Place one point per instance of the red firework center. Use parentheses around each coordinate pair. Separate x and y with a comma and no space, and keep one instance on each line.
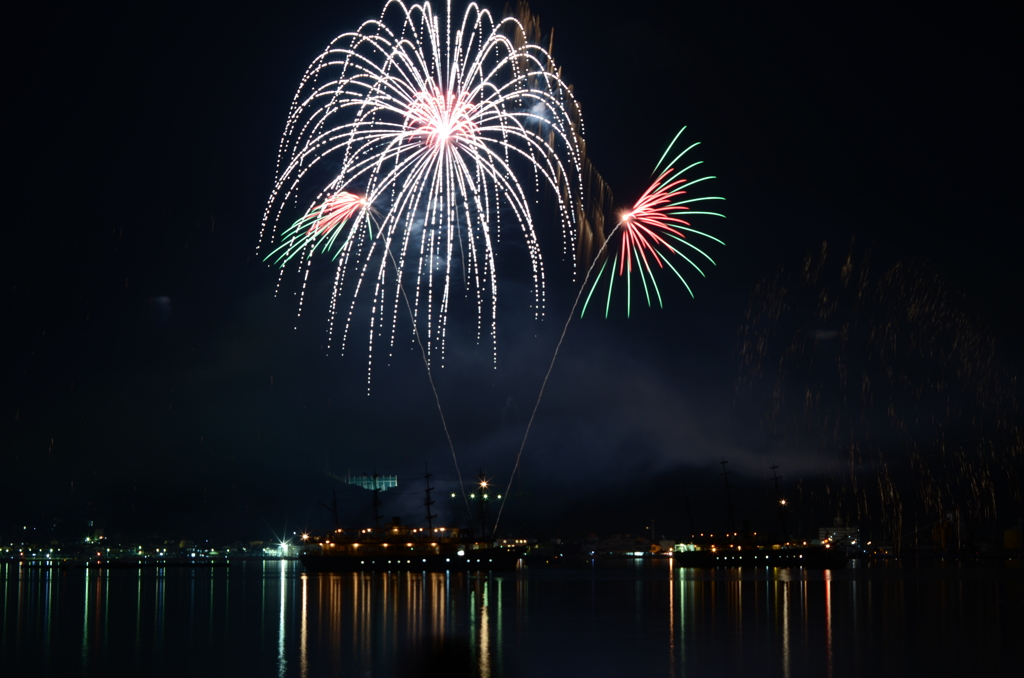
(652,213)
(440,118)
(334,211)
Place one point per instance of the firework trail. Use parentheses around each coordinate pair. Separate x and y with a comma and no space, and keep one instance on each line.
(446,129)
(653,232)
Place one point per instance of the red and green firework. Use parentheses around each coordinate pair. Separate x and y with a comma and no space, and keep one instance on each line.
(320,226)
(653,234)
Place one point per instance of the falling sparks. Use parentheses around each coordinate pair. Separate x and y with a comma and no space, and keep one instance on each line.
(877,371)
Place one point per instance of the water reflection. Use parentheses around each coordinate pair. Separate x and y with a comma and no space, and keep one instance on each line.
(785,627)
(304,632)
(828,625)
(484,653)
(272,617)
(282,663)
(85,625)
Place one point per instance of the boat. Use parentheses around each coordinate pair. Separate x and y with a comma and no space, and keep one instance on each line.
(821,557)
(400,548)
(736,549)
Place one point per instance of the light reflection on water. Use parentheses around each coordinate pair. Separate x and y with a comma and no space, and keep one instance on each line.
(271,618)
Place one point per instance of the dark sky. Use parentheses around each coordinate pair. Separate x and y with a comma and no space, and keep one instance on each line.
(154,382)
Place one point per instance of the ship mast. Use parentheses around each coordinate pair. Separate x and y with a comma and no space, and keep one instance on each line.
(482,503)
(689,515)
(428,502)
(333,508)
(728,495)
(376,501)
(782,500)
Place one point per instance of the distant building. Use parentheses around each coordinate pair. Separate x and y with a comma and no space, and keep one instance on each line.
(372,482)
(621,544)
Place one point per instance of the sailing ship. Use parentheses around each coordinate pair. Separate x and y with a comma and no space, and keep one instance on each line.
(399,547)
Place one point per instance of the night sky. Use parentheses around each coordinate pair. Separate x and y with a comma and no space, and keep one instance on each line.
(153,381)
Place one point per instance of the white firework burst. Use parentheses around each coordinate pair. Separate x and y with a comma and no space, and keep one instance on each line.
(433,133)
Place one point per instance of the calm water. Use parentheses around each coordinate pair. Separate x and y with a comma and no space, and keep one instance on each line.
(272,619)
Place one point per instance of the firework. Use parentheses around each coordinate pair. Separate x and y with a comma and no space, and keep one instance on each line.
(322,224)
(445,130)
(653,233)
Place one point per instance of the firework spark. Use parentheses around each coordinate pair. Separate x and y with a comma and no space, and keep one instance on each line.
(653,233)
(445,129)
